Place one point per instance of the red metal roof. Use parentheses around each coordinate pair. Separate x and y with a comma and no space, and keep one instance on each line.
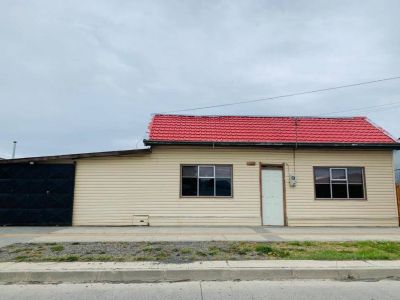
(259,129)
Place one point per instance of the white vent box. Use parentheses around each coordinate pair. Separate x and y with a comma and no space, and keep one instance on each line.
(141,220)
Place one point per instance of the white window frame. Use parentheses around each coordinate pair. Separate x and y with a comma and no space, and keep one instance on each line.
(339,181)
(199,177)
(345,181)
(212,177)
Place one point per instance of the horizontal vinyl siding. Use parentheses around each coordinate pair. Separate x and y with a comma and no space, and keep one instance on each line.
(378,210)
(110,190)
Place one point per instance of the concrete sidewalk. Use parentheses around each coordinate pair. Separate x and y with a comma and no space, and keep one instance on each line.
(9,235)
(84,272)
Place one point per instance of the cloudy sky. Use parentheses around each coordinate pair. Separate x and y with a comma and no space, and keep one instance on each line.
(82,76)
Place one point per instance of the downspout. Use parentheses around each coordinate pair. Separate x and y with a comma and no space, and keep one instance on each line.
(292,176)
(295,147)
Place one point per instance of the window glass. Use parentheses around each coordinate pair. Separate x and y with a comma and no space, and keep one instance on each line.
(206,171)
(322,175)
(223,187)
(339,190)
(323,190)
(333,183)
(206,186)
(338,174)
(356,191)
(223,171)
(189,186)
(189,171)
(206,180)
(355,175)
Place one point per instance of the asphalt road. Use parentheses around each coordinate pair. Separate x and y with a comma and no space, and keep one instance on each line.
(208,290)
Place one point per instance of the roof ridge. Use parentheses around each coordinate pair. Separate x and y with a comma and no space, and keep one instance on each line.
(260,116)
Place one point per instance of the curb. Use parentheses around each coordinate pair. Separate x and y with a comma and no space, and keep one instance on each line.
(207,271)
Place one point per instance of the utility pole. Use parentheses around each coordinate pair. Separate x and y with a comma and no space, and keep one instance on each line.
(14,149)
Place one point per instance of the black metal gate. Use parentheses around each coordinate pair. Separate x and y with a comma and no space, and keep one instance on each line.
(36,194)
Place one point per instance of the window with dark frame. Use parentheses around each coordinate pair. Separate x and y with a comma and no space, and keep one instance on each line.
(206,181)
(339,183)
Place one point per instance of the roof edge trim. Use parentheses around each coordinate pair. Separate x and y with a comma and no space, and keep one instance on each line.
(289,145)
(76,156)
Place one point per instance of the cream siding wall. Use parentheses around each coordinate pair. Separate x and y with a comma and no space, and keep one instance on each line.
(110,190)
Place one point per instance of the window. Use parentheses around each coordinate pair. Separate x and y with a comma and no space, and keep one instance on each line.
(339,183)
(206,180)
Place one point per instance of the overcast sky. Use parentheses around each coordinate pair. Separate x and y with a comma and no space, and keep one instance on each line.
(82,76)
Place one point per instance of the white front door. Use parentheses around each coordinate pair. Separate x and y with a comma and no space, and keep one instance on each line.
(272,196)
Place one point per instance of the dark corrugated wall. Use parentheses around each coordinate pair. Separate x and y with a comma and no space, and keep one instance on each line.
(36,194)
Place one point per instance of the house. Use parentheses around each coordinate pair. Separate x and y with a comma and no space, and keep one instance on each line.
(215,170)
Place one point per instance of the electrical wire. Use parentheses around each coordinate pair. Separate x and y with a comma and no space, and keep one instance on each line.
(380,109)
(368,108)
(285,95)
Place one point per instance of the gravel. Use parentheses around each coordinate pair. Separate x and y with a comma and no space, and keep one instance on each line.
(173,252)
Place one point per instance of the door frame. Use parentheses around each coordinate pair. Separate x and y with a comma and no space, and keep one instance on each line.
(282,167)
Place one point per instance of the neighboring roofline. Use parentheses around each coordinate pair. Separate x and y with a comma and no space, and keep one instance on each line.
(75,156)
(279,145)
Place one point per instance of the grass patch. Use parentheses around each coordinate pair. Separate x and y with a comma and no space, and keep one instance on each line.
(263,249)
(21,258)
(100,258)
(66,258)
(57,248)
(186,250)
(213,250)
(241,248)
(197,251)
(148,248)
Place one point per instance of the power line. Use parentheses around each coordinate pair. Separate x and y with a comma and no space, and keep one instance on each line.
(381,109)
(285,95)
(391,104)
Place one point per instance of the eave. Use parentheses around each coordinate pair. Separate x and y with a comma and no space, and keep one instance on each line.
(391,146)
(75,156)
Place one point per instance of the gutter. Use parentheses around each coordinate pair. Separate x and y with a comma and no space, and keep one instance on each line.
(391,146)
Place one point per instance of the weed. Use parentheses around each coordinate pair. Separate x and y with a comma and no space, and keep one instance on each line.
(309,243)
(148,248)
(186,250)
(143,258)
(213,250)
(98,258)
(263,249)
(18,250)
(57,248)
(295,243)
(161,255)
(72,258)
(61,258)
(201,253)
(21,258)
